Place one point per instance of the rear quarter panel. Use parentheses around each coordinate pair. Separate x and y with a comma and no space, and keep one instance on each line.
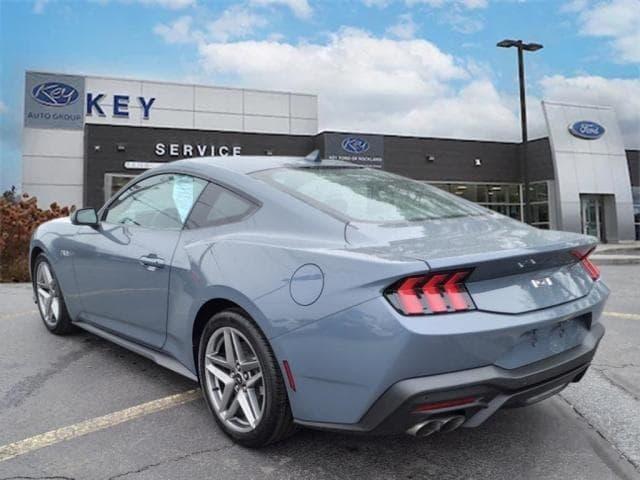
(254,270)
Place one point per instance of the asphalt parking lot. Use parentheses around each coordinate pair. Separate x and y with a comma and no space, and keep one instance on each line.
(114,414)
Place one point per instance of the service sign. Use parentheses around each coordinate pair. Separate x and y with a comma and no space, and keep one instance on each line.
(365,150)
(54,101)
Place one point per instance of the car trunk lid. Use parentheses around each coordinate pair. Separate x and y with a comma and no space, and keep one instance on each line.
(515,268)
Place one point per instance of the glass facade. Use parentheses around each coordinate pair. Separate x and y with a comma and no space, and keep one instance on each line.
(114,182)
(505,198)
(636,210)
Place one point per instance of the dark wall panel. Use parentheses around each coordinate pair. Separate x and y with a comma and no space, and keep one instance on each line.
(633,158)
(454,159)
(102,154)
(540,161)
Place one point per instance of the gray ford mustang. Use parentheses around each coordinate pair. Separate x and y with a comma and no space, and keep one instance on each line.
(324,294)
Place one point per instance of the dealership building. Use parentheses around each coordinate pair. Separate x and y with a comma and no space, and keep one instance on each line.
(86,136)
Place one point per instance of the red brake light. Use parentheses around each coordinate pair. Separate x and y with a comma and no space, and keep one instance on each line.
(409,301)
(439,292)
(431,291)
(588,265)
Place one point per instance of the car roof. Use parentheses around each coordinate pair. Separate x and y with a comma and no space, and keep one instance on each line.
(245,164)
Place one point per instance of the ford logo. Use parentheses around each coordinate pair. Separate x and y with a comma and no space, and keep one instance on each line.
(587,130)
(355,145)
(55,94)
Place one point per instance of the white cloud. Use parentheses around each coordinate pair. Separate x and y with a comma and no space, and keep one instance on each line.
(574,6)
(3,108)
(405,28)
(170,4)
(376,3)
(463,23)
(300,8)
(233,23)
(39,6)
(178,31)
(400,86)
(618,20)
(622,94)
(468,4)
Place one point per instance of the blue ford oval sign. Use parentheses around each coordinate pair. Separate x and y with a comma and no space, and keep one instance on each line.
(55,94)
(587,130)
(355,145)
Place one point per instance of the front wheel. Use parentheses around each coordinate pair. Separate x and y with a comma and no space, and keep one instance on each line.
(53,310)
(241,381)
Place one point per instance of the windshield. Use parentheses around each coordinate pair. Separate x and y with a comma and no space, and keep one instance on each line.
(368,195)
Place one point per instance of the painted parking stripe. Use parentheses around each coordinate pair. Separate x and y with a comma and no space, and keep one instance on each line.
(628,316)
(70,432)
(18,314)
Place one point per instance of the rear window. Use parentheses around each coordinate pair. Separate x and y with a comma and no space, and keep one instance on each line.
(368,195)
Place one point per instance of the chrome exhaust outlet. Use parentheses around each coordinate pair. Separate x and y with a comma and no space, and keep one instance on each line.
(424,429)
(431,426)
(452,423)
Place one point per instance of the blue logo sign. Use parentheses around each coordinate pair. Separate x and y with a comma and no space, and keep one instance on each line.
(586,129)
(355,145)
(55,94)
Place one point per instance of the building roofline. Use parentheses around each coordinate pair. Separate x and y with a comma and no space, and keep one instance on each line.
(569,104)
(162,82)
(468,140)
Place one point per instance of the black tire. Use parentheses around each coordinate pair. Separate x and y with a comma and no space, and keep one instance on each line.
(62,324)
(276,422)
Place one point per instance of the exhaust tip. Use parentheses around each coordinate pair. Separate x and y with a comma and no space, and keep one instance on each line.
(452,423)
(424,429)
(431,426)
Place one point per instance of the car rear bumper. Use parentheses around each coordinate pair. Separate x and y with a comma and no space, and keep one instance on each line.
(489,388)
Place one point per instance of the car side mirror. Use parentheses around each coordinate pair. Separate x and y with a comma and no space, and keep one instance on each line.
(85,216)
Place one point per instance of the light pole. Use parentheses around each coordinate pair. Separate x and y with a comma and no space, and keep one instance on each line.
(529,47)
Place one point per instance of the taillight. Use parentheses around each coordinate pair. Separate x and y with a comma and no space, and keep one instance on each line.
(438,292)
(592,270)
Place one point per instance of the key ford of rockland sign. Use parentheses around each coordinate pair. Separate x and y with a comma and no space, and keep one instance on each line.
(60,101)
(361,149)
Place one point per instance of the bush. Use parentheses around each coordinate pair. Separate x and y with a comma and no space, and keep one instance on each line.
(19,217)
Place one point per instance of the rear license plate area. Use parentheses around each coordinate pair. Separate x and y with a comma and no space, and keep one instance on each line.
(540,343)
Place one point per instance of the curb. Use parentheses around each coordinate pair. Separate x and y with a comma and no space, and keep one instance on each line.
(616,260)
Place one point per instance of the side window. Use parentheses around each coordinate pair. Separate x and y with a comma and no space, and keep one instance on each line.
(162,201)
(217,206)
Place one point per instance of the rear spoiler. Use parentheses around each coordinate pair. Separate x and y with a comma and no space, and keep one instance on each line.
(510,262)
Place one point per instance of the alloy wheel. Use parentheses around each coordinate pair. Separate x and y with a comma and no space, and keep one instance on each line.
(48,294)
(234,380)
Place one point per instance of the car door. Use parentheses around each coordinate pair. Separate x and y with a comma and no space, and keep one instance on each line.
(123,266)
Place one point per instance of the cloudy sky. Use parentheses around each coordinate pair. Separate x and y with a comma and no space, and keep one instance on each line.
(415,67)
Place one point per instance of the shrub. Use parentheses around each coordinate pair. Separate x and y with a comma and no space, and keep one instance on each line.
(19,217)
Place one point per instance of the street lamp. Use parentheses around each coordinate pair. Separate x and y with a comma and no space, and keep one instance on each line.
(529,47)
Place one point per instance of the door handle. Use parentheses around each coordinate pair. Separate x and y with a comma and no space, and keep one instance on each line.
(152,261)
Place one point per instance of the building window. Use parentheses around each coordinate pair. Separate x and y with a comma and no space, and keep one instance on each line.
(114,182)
(505,198)
(636,209)
(539,202)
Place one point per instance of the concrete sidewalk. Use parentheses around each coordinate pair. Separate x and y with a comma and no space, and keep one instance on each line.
(627,253)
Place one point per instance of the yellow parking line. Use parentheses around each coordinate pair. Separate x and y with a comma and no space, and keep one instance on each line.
(628,316)
(37,442)
(18,314)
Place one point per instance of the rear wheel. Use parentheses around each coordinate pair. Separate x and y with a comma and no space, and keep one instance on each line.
(241,381)
(53,310)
